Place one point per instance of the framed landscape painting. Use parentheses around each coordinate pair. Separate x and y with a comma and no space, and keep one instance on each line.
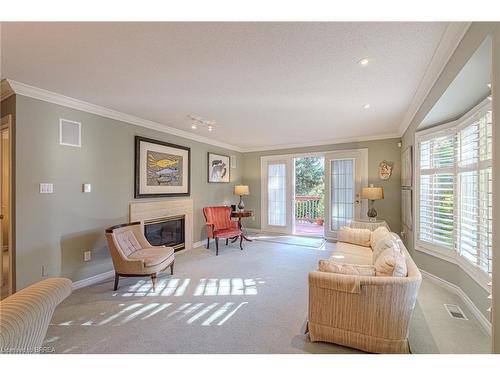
(219,168)
(161,169)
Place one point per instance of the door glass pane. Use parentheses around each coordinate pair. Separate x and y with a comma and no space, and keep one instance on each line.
(276,199)
(342,193)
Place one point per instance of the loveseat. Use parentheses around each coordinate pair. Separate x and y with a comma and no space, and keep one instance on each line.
(370,313)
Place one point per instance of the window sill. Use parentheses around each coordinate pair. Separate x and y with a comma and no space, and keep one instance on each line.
(481,278)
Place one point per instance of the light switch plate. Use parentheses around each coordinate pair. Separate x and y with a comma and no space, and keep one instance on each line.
(87,256)
(46,188)
(45,270)
(86,188)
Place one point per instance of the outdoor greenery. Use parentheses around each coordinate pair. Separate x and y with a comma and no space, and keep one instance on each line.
(310,181)
(309,176)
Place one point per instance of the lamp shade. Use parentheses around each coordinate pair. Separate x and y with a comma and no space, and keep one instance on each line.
(241,190)
(373,193)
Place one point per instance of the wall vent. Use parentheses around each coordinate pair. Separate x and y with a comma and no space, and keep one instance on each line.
(455,311)
(70,133)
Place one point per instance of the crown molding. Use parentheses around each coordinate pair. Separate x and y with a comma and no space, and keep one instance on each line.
(449,42)
(66,101)
(5,90)
(335,141)
(55,98)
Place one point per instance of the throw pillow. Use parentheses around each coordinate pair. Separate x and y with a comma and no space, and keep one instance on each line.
(355,236)
(391,263)
(377,234)
(388,241)
(326,265)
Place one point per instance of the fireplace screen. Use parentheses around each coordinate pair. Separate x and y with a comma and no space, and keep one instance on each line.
(166,231)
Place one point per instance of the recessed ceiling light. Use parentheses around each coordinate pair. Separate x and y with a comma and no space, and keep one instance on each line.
(194,126)
(364,61)
(367,106)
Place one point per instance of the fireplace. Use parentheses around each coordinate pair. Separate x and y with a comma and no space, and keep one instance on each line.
(168,231)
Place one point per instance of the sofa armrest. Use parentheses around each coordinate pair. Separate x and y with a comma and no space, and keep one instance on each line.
(335,281)
(370,305)
(25,315)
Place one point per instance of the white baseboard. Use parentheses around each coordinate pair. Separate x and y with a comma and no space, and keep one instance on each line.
(93,280)
(483,321)
(110,274)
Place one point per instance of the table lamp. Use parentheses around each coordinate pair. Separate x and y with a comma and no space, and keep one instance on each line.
(372,194)
(241,190)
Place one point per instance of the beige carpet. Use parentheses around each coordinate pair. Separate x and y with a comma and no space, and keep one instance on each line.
(250,301)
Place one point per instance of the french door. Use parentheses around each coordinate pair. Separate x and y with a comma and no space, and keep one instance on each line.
(277,194)
(346,172)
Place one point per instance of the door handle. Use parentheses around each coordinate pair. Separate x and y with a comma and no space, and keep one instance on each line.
(1,216)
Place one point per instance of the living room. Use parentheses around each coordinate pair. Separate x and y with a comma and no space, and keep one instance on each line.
(249,187)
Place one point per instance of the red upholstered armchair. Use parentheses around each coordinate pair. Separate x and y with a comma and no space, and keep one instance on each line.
(220,225)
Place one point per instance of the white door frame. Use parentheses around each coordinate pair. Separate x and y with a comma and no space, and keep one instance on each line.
(289,158)
(361,166)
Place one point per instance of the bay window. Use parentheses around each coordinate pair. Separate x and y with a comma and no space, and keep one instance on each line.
(454,190)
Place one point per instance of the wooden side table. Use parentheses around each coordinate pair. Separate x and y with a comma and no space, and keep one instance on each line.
(240,215)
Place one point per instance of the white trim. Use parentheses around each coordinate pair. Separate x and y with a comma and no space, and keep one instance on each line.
(483,321)
(59,99)
(93,280)
(52,97)
(5,90)
(479,277)
(449,42)
(333,141)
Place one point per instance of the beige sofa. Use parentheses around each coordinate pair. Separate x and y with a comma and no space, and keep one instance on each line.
(25,315)
(370,313)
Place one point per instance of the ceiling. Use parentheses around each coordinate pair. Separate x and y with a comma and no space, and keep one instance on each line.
(469,88)
(265,84)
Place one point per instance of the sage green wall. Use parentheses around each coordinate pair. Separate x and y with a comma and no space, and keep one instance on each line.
(438,267)
(386,149)
(55,229)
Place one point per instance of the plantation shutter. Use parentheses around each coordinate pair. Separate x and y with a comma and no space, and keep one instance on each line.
(474,219)
(455,190)
(437,182)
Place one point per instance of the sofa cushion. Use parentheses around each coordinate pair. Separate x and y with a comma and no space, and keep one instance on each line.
(327,265)
(152,256)
(391,263)
(355,236)
(377,234)
(352,254)
(389,240)
(127,242)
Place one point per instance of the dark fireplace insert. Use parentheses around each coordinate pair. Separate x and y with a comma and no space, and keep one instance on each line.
(167,231)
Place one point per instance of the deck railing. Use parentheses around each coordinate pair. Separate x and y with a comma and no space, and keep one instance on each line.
(307,208)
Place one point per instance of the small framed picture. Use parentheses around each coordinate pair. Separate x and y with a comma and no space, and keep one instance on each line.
(161,169)
(219,168)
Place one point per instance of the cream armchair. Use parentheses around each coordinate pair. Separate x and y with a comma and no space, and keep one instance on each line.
(25,315)
(133,255)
